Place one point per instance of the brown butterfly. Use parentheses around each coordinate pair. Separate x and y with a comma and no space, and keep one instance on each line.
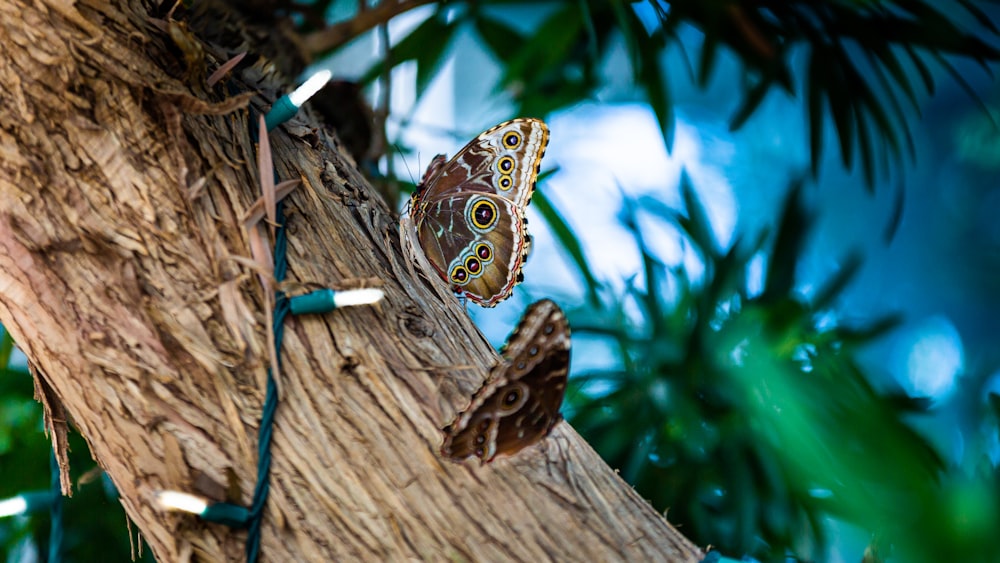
(518,404)
(468,212)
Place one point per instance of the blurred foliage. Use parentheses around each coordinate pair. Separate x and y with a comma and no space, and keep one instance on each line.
(867,60)
(744,413)
(977,140)
(747,417)
(94,523)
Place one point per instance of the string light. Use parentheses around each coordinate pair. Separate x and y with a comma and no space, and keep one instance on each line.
(25,503)
(325,300)
(13,506)
(231,515)
(183,502)
(309,88)
(287,106)
(320,301)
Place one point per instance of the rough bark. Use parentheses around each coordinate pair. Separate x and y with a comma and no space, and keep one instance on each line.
(123,278)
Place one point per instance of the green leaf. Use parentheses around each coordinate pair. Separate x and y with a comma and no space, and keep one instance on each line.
(686,57)
(426,45)
(902,402)
(788,243)
(588,26)
(652,267)
(709,56)
(841,99)
(431,46)
(964,84)
(644,54)
(815,87)
(896,217)
(868,101)
(897,109)
(551,44)
(626,23)
(543,99)
(835,286)
(891,63)
(751,101)
(564,234)
(925,72)
(867,155)
(498,37)
(993,400)
(658,95)
(647,71)
(697,223)
(6,348)
(874,330)
(980,16)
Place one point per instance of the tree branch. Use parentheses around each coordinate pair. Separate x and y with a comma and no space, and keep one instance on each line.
(336,35)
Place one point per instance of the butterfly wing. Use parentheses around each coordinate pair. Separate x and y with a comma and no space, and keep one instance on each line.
(538,362)
(518,404)
(475,429)
(477,244)
(504,160)
(469,211)
(472,440)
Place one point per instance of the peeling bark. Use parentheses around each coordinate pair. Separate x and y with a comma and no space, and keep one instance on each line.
(124,278)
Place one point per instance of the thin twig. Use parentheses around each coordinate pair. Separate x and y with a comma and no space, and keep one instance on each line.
(336,35)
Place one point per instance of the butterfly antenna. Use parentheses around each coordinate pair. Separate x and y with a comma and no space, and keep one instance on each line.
(403,156)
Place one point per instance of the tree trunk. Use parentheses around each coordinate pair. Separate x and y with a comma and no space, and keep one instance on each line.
(124,277)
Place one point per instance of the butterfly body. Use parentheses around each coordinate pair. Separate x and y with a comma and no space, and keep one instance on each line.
(468,212)
(519,403)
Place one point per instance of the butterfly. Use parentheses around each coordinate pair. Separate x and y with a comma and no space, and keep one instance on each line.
(519,402)
(467,214)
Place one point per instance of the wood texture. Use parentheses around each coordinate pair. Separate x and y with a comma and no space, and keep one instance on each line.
(124,278)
